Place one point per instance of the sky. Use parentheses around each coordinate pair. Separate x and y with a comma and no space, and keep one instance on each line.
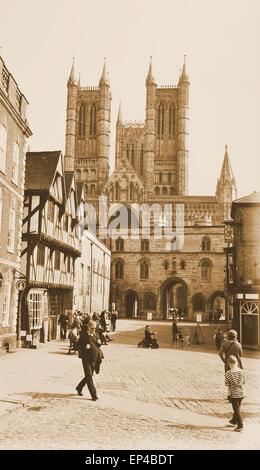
(221,40)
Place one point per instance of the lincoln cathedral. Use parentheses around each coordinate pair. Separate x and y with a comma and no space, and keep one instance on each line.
(151,167)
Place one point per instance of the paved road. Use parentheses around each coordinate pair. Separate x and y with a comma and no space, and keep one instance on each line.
(148,399)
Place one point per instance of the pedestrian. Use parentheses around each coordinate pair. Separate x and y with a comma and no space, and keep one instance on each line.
(63,321)
(234,380)
(186,336)
(231,347)
(114,315)
(91,356)
(218,337)
(174,332)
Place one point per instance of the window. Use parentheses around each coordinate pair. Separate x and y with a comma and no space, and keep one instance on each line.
(11,227)
(144,270)
(57,260)
(142,160)
(40,255)
(6,303)
(164,191)
(183,265)
(149,301)
(157,190)
(93,120)
(82,116)
(120,244)
(160,120)
(93,175)
(51,209)
(206,267)
(169,178)
(15,168)
(119,269)
(172,120)
(117,191)
(160,177)
(166,265)
(92,190)
(78,174)
(68,264)
(144,245)
(174,267)
(205,244)
(3,146)
(35,305)
(172,190)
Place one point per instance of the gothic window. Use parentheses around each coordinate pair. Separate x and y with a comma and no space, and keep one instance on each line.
(144,245)
(166,265)
(132,155)
(92,190)
(117,191)
(142,160)
(183,265)
(172,190)
(157,190)
(131,191)
(93,175)
(82,120)
(78,174)
(160,177)
(172,120)
(144,269)
(174,267)
(160,120)
(120,244)
(119,269)
(169,178)
(205,244)
(164,191)
(206,268)
(85,175)
(93,120)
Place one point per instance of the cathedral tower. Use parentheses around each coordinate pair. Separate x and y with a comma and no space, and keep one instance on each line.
(88,133)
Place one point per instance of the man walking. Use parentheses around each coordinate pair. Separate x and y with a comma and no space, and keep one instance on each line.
(63,321)
(91,355)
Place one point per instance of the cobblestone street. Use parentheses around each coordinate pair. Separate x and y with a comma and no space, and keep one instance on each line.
(148,399)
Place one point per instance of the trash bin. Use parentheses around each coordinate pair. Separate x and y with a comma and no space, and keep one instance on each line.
(149,315)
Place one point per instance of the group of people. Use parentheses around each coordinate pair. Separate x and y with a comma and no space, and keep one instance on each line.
(180,336)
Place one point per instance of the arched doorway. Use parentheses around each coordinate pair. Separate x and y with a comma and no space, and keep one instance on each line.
(218,305)
(174,294)
(198,303)
(131,303)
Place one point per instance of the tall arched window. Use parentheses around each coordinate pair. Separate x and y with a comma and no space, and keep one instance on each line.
(142,160)
(120,244)
(160,177)
(78,174)
(117,192)
(206,268)
(183,265)
(172,120)
(156,190)
(85,175)
(92,190)
(144,269)
(172,190)
(82,120)
(160,120)
(205,244)
(132,155)
(169,177)
(174,267)
(165,191)
(131,191)
(119,269)
(166,265)
(93,120)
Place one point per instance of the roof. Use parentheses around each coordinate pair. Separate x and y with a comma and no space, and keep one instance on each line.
(40,169)
(253,198)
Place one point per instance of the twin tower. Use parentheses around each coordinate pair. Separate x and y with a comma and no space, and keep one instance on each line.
(156,151)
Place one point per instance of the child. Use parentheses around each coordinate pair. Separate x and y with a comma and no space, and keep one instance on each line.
(234,380)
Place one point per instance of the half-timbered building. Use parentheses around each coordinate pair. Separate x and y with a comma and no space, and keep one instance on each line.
(50,244)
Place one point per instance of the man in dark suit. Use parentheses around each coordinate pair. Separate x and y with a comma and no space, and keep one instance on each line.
(91,355)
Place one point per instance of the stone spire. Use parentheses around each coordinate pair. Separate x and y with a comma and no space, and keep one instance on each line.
(149,78)
(226,190)
(184,76)
(72,73)
(104,77)
(119,116)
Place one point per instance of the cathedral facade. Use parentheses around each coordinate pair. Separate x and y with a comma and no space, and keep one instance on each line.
(151,273)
